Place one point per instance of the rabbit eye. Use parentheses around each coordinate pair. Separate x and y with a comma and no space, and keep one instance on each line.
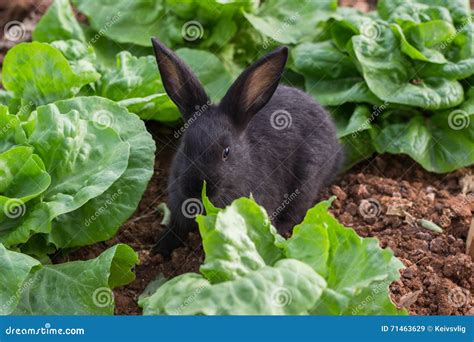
(225,153)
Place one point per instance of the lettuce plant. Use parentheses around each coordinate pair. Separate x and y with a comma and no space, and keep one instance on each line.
(323,269)
(399,78)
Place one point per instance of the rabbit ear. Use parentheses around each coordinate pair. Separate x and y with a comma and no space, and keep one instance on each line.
(254,87)
(180,83)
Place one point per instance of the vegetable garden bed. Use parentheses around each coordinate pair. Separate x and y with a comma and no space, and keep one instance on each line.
(438,273)
(423,217)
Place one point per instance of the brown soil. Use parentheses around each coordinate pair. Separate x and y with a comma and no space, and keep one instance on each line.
(387,197)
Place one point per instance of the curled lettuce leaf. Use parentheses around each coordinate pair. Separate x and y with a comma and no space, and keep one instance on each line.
(281,21)
(290,287)
(72,288)
(40,73)
(250,269)
(102,215)
(58,23)
(441,143)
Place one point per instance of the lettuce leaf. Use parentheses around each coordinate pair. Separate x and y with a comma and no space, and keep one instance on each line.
(40,73)
(72,288)
(58,23)
(326,245)
(250,269)
(101,216)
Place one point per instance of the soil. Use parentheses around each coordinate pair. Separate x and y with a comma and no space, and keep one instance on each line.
(385,197)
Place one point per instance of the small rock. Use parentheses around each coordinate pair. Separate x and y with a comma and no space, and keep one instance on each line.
(467,184)
(451,239)
(352,208)
(424,236)
(408,273)
(409,299)
(431,197)
(395,210)
(444,194)
(410,220)
(438,245)
(339,193)
(360,191)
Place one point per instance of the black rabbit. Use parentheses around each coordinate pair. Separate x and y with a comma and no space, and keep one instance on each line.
(271,141)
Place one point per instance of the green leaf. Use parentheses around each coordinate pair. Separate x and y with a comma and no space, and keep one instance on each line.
(22,178)
(248,268)
(132,77)
(459,9)
(78,287)
(39,73)
(393,78)
(330,75)
(290,22)
(209,69)
(101,216)
(246,239)
(83,158)
(11,132)
(126,22)
(289,288)
(442,143)
(136,83)
(58,23)
(81,58)
(355,131)
(352,266)
(15,270)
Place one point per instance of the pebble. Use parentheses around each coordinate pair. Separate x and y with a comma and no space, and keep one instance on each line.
(339,193)
(438,245)
(424,236)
